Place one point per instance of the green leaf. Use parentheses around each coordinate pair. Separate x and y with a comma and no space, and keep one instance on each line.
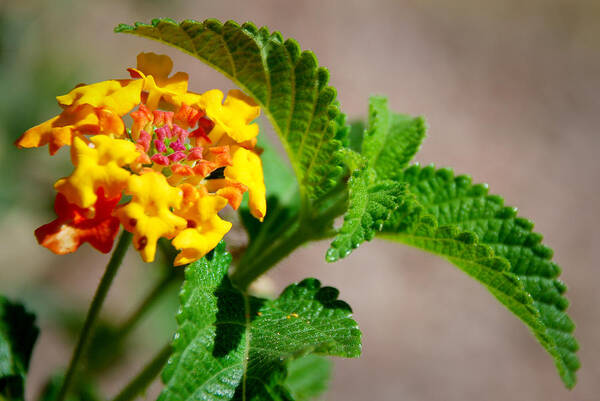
(308,377)
(233,346)
(287,82)
(455,202)
(18,334)
(391,140)
(371,202)
(356,135)
(375,190)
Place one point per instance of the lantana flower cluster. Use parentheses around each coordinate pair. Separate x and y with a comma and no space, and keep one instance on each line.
(183,159)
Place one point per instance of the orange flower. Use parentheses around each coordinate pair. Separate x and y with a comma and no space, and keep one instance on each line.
(185,157)
(76,120)
(74,226)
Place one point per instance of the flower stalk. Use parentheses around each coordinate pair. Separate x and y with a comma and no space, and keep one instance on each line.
(146,376)
(84,336)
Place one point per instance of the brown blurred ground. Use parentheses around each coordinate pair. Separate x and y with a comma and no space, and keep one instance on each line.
(510,92)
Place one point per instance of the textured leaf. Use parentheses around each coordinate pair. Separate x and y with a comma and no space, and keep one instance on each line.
(371,203)
(285,81)
(375,190)
(233,346)
(308,377)
(455,201)
(391,140)
(18,333)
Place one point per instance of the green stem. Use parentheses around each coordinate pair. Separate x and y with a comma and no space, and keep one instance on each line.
(246,273)
(145,377)
(264,231)
(259,259)
(84,336)
(268,236)
(146,304)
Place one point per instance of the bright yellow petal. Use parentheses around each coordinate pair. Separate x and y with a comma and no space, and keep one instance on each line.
(148,215)
(97,164)
(194,243)
(247,170)
(234,116)
(243,106)
(118,95)
(154,70)
(205,227)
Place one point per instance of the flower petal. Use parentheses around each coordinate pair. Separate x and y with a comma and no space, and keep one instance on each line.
(247,169)
(148,215)
(118,95)
(73,227)
(205,227)
(97,165)
(76,120)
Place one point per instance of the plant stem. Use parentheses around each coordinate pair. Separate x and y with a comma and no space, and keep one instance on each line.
(146,304)
(145,377)
(84,336)
(246,273)
(286,238)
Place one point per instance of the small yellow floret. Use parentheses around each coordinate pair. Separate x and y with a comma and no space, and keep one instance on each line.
(154,70)
(97,164)
(148,215)
(234,116)
(119,95)
(205,227)
(247,169)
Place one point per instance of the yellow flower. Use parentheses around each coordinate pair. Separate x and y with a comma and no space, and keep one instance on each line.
(98,164)
(148,215)
(246,169)
(154,70)
(204,226)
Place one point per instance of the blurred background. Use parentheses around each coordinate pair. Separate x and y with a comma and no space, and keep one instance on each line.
(510,91)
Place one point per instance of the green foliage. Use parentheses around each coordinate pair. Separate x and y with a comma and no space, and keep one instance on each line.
(230,345)
(308,377)
(18,334)
(392,139)
(487,240)
(287,82)
(375,192)
(371,203)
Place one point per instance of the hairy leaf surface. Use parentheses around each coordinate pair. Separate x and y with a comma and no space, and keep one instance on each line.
(18,334)
(375,188)
(371,202)
(455,203)
(233,346)
(391,140)
(287,82)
